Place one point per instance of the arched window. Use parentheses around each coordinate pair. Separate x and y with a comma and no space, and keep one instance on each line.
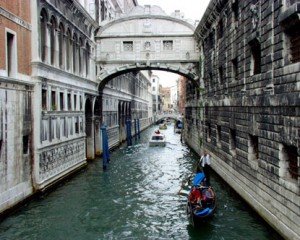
(80,55)
(43,32)
(61,46)
(68,49)
(87,59)
(52,39)
(74,53)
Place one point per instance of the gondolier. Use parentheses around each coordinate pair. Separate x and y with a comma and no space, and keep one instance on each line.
(205,164)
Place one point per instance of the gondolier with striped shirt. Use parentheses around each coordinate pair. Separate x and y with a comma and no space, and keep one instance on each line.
(205,164)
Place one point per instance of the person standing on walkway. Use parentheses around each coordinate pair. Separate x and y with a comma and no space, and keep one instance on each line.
(205,164)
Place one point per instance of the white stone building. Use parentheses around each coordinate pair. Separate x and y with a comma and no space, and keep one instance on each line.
(155,93)
(65,88)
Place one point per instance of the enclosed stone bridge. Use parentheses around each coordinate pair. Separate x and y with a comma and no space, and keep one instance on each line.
(147,38)
(175,116)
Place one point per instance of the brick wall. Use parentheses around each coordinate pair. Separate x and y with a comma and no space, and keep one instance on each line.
(16,10)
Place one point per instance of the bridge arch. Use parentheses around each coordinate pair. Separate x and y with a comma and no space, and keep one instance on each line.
(192,76)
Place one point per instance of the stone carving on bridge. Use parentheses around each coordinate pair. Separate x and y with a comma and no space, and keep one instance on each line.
(147,26)
(147,46)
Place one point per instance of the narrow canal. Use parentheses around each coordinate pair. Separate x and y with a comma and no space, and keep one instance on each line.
(137,198)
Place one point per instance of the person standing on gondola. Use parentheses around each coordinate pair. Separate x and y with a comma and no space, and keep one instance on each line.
(205,164)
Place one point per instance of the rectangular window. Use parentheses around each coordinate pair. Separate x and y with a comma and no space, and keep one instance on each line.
(66,129)
(69,102)
(220,29)
(253,147)
(153,89)
(291,156)
(77,125)
(294,37)
(25,144)
(71,125)
(234,69)
(232,141)
(255,57)
(53,100)
(61,101)
(218,135)
(44,99)
(221,75)
(75,102)
(80,101)
(128,46)
(103,11)
(58,128)
(168,45)
(11,55)
(235,11)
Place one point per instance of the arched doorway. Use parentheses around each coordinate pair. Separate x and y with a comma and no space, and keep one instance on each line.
(90,153)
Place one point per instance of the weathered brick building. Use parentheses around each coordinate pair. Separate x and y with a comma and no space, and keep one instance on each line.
(248,114)
(15,102)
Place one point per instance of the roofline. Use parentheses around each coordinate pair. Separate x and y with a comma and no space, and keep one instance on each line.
(214,9)
(148,16)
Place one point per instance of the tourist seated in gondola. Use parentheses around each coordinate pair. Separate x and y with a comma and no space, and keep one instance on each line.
(195,197)
(207,196)
(157,131)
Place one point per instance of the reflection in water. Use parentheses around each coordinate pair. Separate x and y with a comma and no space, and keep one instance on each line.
(136,198)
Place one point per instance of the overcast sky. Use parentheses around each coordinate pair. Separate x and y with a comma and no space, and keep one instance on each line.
(192,9)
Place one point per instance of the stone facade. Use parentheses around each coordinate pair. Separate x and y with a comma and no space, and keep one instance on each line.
(15,103)
(248,114)
(51,106)
(63,73)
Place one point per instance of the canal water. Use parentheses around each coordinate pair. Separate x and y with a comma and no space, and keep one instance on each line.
(140,196)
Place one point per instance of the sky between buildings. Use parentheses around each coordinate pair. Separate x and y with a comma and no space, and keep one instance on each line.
(192,9)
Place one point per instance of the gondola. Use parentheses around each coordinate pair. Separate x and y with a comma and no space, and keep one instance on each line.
(204,209)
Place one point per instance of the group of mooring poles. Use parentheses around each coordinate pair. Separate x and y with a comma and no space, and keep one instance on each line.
(137,131)
(105,146)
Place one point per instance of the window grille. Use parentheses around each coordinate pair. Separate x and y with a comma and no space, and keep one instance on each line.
(167,45)
(128,46)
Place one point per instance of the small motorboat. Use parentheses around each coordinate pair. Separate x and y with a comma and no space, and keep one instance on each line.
(201,203)
(157,139)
